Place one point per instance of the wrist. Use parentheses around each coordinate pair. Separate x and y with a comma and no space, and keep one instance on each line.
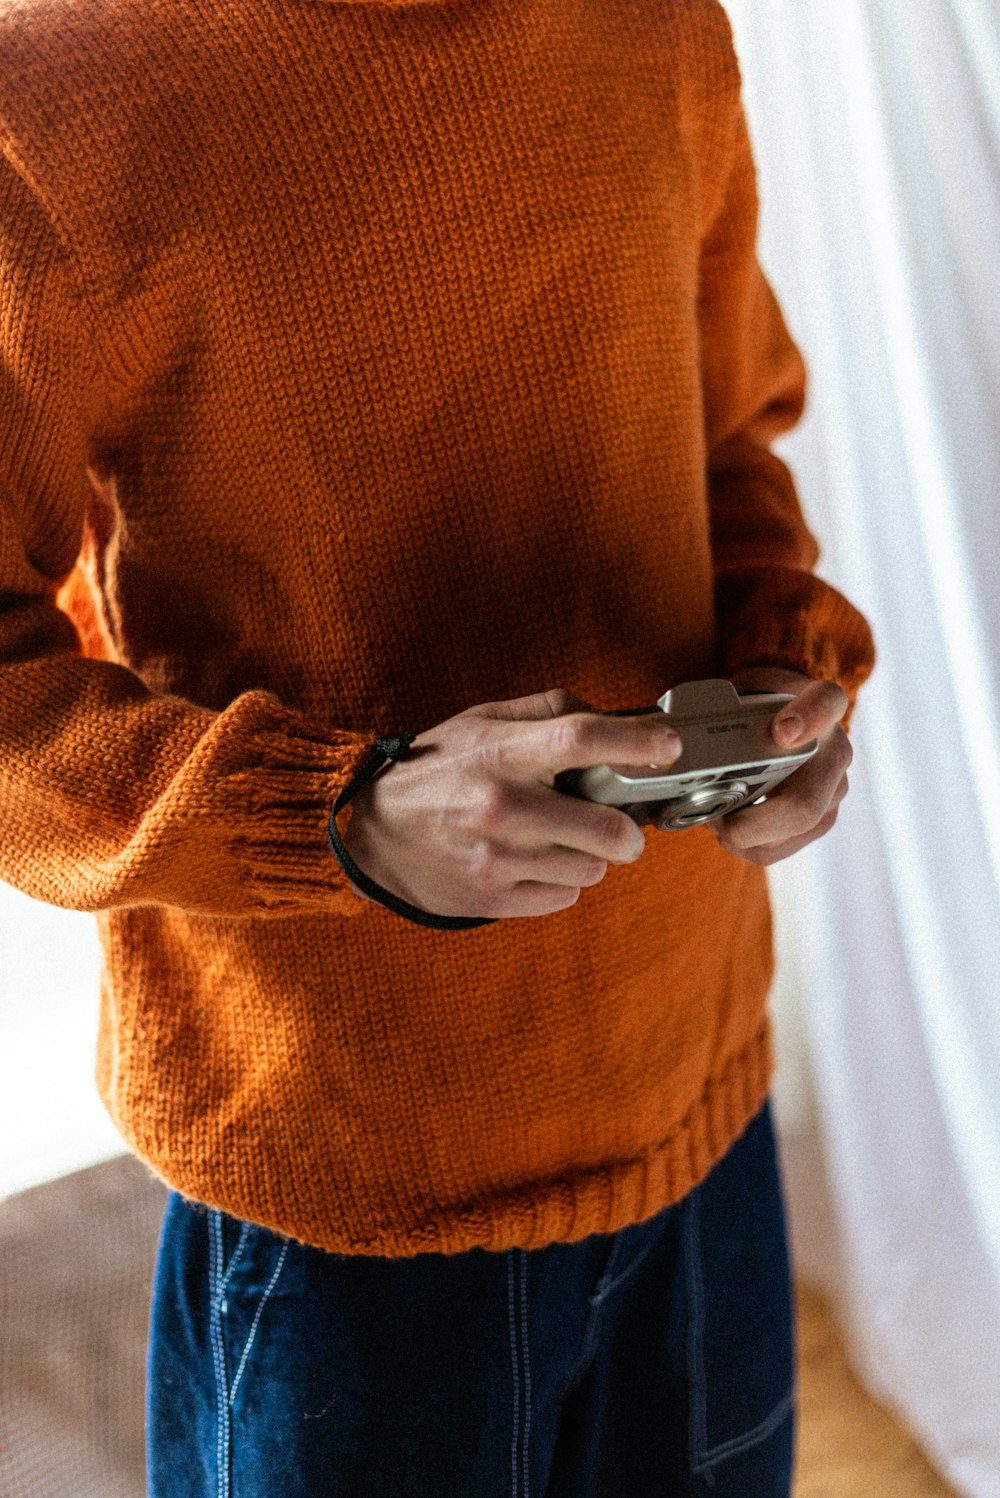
(392,749)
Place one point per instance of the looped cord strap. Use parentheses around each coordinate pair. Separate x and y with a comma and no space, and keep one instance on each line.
(386,749)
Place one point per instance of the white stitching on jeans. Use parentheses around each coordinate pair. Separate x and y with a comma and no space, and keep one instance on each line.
(217,1283)
(697,1425)
(606,1291)
(256,1322)
(527,1365)
(603,1284)
(593,1326)
(218,1356)
(760,1432)
(703,1459)
(516,1372)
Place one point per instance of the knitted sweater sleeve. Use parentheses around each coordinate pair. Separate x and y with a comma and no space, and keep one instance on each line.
(771,608)
(110,794)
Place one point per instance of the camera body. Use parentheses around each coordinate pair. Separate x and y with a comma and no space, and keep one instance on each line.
(729,759)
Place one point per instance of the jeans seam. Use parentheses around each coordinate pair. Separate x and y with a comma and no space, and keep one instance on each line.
(594,1316)
(218,1354)
(519,1365)
(256,1321)
(702,1458)
(218,1279)
(603,1284)
(739,1444)
(698,1422)
(515,1371)
(603,1293)
(527,1366)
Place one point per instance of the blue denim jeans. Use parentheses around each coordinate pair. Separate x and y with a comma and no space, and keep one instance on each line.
(657,1360)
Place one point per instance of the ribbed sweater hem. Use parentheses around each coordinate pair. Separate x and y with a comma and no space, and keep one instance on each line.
(602,1200)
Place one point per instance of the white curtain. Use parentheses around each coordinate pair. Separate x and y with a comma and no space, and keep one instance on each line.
(877,131)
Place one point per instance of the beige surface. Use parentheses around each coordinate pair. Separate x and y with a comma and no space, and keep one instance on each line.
(849,1447)
(76,1257)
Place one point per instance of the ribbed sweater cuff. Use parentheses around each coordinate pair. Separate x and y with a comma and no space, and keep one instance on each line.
(783,617)
(287,795)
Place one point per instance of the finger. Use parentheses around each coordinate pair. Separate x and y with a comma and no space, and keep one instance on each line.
(814,711)
(547,865)
(530,899)
(580,740)
(792,809)
(781,817)
(539,706)
(771,853)
(526,898)
(532,817)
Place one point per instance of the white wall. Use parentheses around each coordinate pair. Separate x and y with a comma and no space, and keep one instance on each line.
(51,1118)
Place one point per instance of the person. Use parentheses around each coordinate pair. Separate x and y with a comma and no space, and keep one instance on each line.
(389,397)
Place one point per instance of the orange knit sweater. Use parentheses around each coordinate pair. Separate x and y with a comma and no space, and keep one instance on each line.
(362,362)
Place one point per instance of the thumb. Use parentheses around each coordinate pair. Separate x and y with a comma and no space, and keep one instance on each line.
(811,714)
(554,703)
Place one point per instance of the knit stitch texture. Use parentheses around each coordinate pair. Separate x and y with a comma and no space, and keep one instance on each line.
(362,362)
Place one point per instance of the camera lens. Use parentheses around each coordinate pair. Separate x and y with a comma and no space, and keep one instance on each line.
(703,806)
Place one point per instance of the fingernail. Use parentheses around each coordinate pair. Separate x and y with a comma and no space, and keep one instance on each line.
(789,729)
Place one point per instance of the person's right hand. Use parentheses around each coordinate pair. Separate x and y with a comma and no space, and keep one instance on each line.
(470,823)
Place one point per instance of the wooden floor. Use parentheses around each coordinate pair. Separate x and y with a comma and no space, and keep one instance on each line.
(848,1446)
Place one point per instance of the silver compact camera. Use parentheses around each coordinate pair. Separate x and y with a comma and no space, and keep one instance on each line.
(729,759)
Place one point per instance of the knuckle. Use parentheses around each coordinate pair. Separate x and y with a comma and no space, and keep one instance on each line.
(813,805)
(836,698)
(733,843)
(485,866)
(619,837)
(560,700)
(486,747)
(572,733)
(492,805)
(728,833)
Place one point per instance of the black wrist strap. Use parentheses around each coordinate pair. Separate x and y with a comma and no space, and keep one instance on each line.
(386,749)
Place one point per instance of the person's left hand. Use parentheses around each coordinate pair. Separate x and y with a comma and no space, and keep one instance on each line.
(804,806)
